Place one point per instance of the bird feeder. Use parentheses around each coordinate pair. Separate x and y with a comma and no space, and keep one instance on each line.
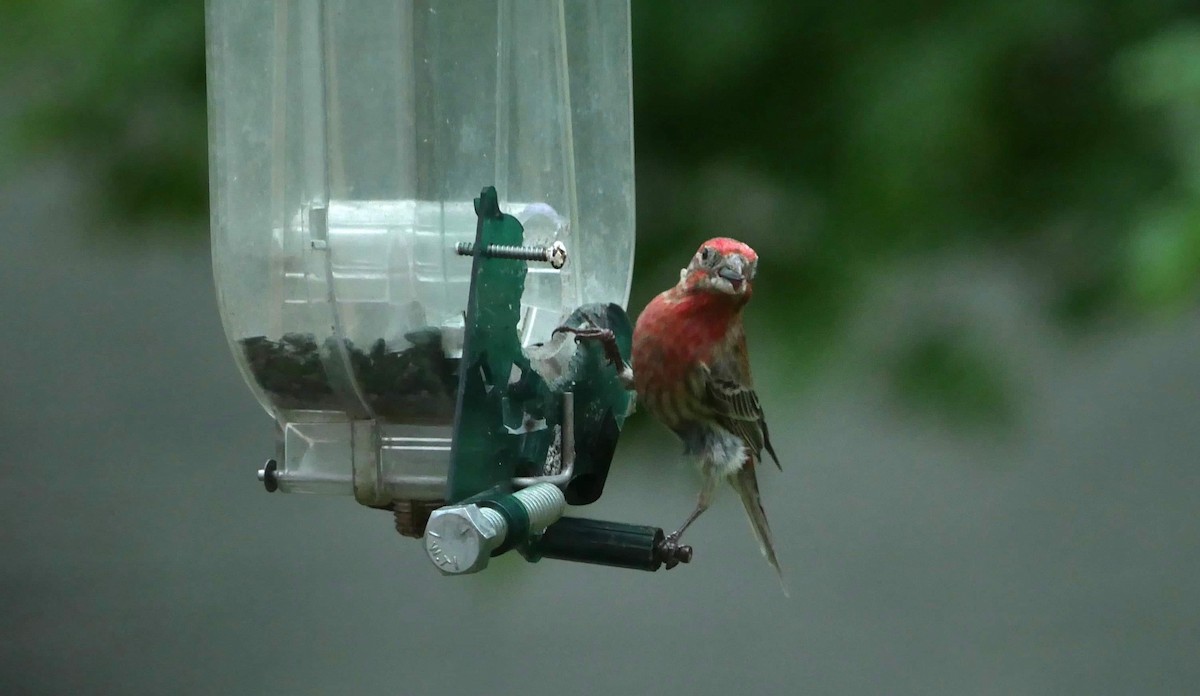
(408,197)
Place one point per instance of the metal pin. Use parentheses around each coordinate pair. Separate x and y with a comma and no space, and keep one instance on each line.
(567,448)
(269,475)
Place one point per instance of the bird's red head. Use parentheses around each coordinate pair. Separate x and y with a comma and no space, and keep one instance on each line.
(723,266)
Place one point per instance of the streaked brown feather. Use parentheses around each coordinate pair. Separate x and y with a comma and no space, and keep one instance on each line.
(729,392)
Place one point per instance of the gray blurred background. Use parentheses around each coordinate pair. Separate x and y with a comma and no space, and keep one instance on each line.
(976,335)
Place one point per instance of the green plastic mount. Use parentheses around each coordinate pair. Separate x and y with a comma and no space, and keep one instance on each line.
(505,416)
(482,455)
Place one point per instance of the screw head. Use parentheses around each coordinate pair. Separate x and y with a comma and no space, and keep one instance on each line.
(557,255)
(459,539)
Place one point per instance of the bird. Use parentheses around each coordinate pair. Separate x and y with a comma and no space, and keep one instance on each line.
(691,371)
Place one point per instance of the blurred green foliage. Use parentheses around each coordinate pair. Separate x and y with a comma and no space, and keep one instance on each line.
(947,373)
(836,138)
(120,88)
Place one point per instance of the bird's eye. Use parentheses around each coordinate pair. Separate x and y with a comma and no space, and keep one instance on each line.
(706,254)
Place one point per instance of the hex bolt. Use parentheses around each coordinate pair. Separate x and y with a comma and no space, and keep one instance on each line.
(555,254)
(411,516)
(460,539)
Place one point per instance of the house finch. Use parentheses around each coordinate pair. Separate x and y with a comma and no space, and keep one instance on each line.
(692,372)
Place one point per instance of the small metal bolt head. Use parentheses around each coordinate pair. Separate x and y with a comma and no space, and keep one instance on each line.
(557,255)
(670,553)
(269,475)
(460,538)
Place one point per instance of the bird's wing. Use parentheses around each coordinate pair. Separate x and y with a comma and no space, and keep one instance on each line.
(728,393)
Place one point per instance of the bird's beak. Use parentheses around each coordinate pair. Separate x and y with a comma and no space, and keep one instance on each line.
(731,270)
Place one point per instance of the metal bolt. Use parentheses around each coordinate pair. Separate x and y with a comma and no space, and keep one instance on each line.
(269,475)
(411,516)
(544,502)
(555,254)
(671,554)
(459,539)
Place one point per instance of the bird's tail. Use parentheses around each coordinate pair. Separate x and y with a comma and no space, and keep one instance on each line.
(746,484)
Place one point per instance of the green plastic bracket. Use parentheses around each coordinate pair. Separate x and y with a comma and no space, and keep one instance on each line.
(501,424)
(506,414)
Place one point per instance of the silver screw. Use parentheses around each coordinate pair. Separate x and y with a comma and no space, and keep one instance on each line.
(459,539)
(555,254)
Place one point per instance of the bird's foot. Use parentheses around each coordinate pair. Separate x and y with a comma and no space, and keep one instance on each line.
(607,339)
(594,333)
(671,553)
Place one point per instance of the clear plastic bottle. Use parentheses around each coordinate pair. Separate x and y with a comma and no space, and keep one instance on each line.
(348,139)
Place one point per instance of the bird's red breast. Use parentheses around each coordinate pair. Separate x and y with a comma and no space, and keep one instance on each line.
(676,332)
(692,324)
